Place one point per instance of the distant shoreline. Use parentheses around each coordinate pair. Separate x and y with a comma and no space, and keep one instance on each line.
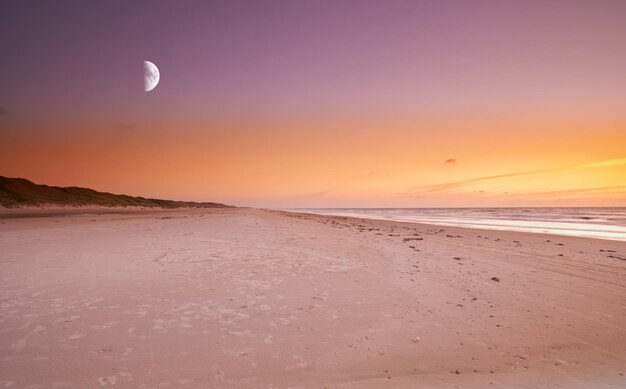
(47,211)
(608,223)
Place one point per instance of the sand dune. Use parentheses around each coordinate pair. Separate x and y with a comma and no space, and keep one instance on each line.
(19,192)
(257,299)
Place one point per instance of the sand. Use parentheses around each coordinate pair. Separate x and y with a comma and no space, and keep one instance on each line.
(248,298)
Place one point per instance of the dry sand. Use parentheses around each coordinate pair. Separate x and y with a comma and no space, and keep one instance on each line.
(258,299)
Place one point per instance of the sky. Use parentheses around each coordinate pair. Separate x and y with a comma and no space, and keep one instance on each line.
(320,103)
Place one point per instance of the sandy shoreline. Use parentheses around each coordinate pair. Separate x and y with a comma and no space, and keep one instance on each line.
(252,298)
(48,211)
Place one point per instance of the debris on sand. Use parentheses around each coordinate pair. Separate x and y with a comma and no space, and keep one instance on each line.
(496,279)
(616,257)
(417,339)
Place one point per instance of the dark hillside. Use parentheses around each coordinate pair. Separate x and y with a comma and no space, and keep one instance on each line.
(16,192)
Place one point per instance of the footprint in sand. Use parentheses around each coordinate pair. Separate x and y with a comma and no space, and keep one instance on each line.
(38,329)
(159,325)
(67,319)
(185,322)
(107,380)
(300,362)
(104,326)
(239,333)
(18,345)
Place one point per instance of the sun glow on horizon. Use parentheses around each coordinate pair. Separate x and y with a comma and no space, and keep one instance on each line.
(394,104)
(415,161)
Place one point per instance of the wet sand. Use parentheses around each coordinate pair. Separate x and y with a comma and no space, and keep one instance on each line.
(247,298)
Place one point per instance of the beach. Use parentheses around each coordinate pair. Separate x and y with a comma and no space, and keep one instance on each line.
(250,298)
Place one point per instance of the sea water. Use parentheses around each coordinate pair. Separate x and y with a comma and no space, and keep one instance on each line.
(602,223)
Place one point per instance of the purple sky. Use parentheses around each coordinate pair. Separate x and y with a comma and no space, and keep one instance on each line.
(63,58)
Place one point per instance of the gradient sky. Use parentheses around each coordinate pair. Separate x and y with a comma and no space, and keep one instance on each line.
(320,103)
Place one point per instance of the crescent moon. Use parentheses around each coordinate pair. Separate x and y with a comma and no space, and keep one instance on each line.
(151,76)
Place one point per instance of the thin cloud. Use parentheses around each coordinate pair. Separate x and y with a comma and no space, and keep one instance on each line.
(458,184)
(449,186)
(611,162)
(306,196)
(450,161)
(584,191)
(126,127)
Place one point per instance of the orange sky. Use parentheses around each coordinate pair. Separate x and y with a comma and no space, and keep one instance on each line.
(317,160)
(348,103)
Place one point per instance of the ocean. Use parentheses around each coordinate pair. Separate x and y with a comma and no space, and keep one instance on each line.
(601,223)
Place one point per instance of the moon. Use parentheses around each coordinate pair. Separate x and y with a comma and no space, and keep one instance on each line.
(151,76)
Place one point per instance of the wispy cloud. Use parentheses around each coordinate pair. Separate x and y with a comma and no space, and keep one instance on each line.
(457,185)
(611,162)
(306,196)
(601,190)
(450,161)
(447,186)
(125,127)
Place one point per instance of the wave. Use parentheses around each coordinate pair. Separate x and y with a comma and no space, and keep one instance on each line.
(601,223)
